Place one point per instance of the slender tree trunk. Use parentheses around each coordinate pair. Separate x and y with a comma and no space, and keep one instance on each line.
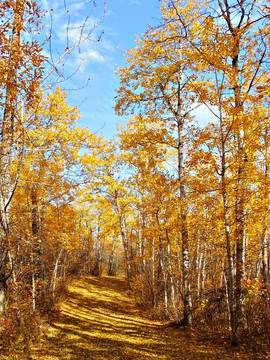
(122,225)
(170,272)
(186,292)
(187,320)
(153,273)
(230,271)
(3,291)
(200,262)
(180,118)
(240,201)
(34,252)
(54,275)
(111,265)
(33,284)
(265,245)
(141,262)
(265,270)
(98,259)
(203,272)
(7,186)
(239,239)
(141,245)
(198,259)
(162,262)
(164,276)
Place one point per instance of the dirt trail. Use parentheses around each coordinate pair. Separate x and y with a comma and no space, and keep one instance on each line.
(100,320)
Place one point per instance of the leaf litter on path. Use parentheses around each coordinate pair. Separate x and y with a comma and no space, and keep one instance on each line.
(99,319)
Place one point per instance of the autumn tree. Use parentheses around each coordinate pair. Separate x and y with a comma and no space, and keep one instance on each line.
(231,47)
(24,70)
(45,237)
(21,74)
(158,83)
(212,54)
(108,188)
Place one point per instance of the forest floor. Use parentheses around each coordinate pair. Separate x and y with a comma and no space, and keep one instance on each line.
(99,319)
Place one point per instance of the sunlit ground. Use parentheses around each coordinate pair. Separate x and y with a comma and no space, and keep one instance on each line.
(100,320)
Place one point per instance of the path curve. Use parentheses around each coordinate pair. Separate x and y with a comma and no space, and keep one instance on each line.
(100,320)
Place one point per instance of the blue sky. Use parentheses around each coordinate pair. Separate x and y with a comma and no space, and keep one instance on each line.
(123,20)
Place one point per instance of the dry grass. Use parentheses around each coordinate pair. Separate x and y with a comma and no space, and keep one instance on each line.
(100,320)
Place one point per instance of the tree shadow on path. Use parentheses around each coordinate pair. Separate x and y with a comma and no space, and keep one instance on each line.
(100,320)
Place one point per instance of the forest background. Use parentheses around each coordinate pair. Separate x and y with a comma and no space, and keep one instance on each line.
(180,205)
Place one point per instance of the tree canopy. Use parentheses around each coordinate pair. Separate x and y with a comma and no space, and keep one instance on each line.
(178,201)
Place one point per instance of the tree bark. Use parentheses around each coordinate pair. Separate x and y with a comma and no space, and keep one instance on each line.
(187,320)
(7,186)
(122,225)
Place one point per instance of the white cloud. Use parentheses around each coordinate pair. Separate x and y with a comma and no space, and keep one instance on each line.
(204,115)
(93,55)
(77,31)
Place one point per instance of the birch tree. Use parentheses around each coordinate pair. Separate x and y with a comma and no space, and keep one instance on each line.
(24,70)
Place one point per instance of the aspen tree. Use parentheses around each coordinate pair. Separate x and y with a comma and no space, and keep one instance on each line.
(19,78)
(23,71)
(158,80)
(227,44)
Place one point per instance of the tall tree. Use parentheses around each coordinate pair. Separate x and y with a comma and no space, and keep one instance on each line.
(158,84)
(24,70)
(20,79)
(231,45)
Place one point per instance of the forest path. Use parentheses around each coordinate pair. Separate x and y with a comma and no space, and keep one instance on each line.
(100,320)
